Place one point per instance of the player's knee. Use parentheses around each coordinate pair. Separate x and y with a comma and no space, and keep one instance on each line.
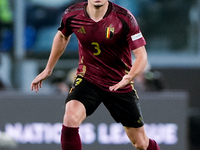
(142,145)
(138,137)
(74,114)
(71,119)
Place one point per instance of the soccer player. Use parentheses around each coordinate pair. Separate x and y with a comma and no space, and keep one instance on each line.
(107,33)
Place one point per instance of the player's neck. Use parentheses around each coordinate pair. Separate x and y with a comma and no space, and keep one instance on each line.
(97,13)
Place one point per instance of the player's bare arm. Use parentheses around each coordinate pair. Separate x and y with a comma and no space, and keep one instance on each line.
(59,44)
(138,65)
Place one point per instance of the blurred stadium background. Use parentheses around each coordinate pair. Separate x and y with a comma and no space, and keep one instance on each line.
(170,82)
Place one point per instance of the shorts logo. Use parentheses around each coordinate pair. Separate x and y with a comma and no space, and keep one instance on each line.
(109,32)
(140,120)
(77,81)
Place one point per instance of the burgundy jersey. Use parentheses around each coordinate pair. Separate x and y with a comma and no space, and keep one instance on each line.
(104,46)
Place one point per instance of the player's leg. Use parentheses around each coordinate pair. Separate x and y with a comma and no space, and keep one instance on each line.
(137,137)
(140,140)
(81,102)
(74,115)
(125,108)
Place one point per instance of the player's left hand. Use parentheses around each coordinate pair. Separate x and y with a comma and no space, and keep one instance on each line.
(125,80)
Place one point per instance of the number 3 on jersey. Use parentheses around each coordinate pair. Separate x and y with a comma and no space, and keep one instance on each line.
(97,47)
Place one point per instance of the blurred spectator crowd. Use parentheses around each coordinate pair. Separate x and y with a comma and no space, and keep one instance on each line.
(163,20)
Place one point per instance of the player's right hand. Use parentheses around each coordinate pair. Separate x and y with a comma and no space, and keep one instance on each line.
(125,80)
(37,82)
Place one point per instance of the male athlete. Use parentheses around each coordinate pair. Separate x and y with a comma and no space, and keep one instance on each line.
(107,33)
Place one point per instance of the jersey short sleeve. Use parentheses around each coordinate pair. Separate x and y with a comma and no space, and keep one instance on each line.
(65,26)
(134,36)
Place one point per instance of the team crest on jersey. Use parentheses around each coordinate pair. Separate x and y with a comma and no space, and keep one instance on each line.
(110,32)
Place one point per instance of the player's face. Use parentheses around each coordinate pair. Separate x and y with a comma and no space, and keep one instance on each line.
(97,3)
